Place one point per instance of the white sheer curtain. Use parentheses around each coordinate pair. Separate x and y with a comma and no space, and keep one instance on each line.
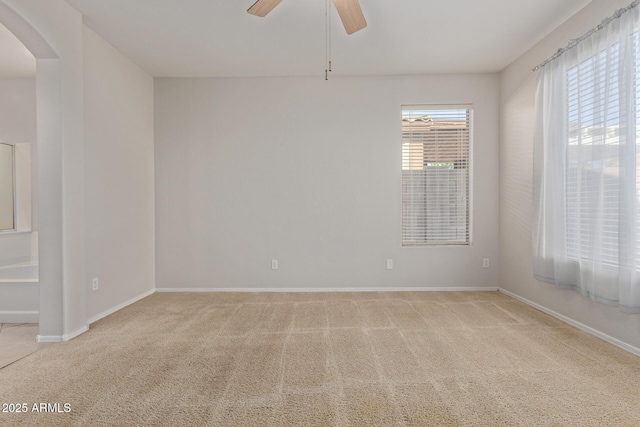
(586,232)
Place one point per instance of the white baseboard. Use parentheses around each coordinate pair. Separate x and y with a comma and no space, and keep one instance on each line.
(119,307)
(72,335)
(581,326)
(19,316)
(61,338)
(381,289)
(49,338)
(67,337)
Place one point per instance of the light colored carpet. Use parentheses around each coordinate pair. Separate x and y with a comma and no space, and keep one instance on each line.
(361,359)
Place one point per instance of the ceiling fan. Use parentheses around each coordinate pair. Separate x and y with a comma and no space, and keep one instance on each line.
(349,11)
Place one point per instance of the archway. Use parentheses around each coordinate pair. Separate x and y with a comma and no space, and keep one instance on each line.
(49,94)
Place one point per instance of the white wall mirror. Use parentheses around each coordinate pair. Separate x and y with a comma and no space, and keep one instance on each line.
(7,187)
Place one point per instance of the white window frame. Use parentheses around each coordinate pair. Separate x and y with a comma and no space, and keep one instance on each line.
(410,233)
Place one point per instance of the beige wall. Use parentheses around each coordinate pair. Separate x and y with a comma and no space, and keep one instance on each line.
(517,87)
(308,172)
(18,110)
(95,138)
(118,111)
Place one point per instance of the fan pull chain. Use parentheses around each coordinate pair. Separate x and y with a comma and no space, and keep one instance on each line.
(327,33)
(330,28)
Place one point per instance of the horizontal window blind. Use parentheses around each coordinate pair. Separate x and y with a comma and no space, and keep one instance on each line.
(636,207)
(598,208)
(435,175)
(594,152)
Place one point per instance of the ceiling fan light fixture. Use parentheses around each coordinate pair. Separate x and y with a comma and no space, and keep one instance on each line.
(349,10)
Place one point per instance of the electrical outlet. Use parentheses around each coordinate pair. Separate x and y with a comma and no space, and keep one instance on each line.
(95,284)
(485,263)
(389,264)
(274,264)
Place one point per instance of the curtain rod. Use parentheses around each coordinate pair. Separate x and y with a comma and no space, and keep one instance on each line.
(574,42)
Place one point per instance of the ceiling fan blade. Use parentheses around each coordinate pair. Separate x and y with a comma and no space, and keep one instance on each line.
(262,7)
(350,15)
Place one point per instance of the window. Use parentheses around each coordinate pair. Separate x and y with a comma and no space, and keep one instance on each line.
(435,175)
(7,187)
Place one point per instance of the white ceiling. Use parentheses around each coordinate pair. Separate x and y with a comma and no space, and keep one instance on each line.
(198,38)
(193,38)
(17,61)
